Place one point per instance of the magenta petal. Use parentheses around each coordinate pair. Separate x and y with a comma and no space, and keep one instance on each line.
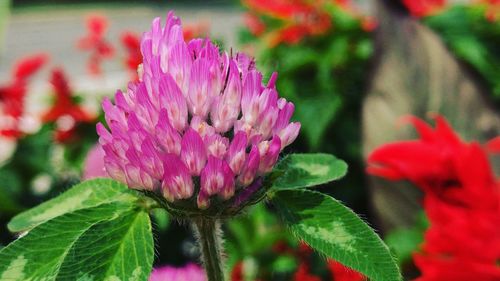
(177,182)
(173,102)
(217,178)
(193,152)
(166,136)
(289,134)
(250,168)
(236,155)
(269,152)
(284,115)
(216,145)
(179,65)
(199,95)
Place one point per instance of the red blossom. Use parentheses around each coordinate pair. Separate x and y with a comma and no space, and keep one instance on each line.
(492,12)
(237,272)
(439,163)
(299,19)
(303,274)
(195,30)
(461,244)
(254,24)
(95,43)
(461,200)
(343,273)
(423,8)
(65,110)
(133,59)
(12,94)
(369,24)
(29,66)
(494,145)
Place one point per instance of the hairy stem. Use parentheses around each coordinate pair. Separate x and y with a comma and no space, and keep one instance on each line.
(209,240)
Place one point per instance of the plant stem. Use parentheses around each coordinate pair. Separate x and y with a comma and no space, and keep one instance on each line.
(209,240)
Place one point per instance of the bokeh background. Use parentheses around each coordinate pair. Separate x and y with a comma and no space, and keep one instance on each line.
(353,68)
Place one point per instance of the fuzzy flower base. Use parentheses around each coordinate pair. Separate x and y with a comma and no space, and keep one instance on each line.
(190,272)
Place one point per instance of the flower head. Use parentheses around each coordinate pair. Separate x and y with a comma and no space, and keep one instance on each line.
(199,122)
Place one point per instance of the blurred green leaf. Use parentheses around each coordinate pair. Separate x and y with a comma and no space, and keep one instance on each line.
(10,188)
(473,38)
(405,241)
(285,263)
(315,115)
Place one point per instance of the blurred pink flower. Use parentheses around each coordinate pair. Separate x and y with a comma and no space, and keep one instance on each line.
(94,164)
(195,113)
(190,272)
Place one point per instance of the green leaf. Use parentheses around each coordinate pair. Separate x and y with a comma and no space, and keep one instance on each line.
(304,170)
(404,242)
(285,263)
(84,195)
(111,241)
(10,187)
(336,231)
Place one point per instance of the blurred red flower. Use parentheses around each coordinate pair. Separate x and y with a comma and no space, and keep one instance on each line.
(254,24)
(65,111)
(195,30)
(95,42)
(303,274)
(343,273)
(291,21)
(300,18)
(439,163)
(131,42)
(461,244)
(492,12)
(423,8)
(461,200)
(12,94)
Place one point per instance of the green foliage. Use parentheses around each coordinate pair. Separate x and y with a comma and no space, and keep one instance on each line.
(336,231)
(99,230)
(31,158)
(473,38)
(252,234)
(323,74)
(405,241)
(304,170)
(10,186)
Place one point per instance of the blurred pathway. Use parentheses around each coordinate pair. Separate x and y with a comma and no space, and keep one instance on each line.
(57,31)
